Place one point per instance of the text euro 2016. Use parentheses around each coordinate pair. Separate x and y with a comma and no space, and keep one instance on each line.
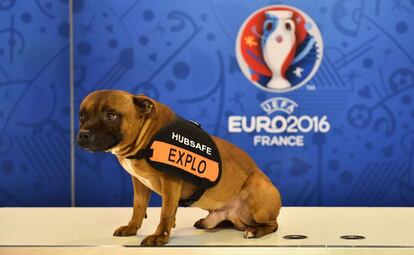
(278,124)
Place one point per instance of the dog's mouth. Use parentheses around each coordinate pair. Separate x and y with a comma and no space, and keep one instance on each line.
(99,145)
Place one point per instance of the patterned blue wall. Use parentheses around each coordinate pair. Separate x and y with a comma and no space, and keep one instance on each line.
(182,53)
(34,103)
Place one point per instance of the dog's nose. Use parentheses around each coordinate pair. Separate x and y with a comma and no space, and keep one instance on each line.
(84,136)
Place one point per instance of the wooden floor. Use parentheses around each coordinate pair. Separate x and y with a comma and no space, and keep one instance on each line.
(89,231)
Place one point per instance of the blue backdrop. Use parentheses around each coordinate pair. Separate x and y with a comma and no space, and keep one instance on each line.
(34,103)
(182,53)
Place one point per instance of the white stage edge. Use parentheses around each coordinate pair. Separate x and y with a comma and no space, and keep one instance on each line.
(89,231)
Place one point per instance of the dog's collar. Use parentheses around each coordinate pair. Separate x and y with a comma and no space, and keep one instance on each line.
(204,178)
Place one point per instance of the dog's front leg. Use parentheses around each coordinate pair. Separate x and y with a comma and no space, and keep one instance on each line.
(141,198)
(171,192)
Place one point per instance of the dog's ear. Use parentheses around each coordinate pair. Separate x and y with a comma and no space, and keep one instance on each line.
(145,106)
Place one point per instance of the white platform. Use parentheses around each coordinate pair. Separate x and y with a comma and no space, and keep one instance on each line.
(89,231)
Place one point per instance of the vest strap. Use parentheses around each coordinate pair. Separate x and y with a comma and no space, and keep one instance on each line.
(142,153)
(193,198)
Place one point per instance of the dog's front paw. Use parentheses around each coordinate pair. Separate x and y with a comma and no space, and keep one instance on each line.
(156,240)
(127,230)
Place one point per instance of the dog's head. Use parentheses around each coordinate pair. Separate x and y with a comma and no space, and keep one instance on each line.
(109,118)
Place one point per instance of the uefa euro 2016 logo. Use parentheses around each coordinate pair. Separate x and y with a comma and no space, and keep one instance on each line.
(279,48)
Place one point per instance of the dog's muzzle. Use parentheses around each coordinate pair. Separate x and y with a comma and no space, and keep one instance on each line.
(85,139)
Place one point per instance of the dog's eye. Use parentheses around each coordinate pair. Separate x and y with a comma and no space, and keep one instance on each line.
(82,116)
(111,116)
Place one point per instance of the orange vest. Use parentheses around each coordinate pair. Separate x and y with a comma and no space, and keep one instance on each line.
(184,150)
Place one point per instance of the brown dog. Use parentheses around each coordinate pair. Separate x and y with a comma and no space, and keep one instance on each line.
(122,123)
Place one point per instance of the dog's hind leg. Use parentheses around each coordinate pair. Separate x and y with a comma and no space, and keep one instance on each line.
(213,219)
(263,202)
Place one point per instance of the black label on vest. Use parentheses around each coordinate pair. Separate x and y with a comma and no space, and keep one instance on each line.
(186,151)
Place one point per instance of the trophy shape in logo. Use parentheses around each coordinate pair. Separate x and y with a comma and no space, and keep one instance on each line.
(278,46)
